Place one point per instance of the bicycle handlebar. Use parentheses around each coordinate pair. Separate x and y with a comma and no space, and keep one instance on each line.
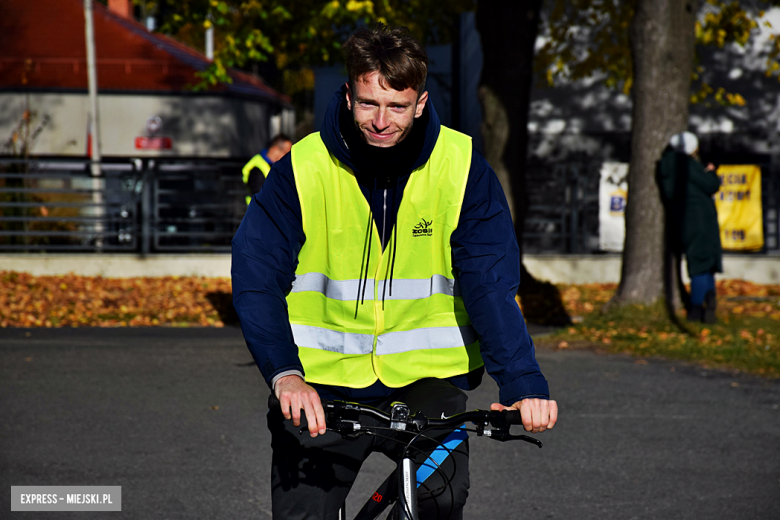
(343,417)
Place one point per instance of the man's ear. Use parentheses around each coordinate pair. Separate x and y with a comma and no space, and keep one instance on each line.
(421,104)
(349,96)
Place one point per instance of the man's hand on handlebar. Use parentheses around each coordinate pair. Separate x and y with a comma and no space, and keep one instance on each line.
(295,395)
(537,414)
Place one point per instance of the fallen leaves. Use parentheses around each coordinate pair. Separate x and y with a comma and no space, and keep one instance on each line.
(78,301)
(584,299)
(745,337)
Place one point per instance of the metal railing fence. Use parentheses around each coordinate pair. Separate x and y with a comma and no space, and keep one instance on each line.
(563,208)
(143,206)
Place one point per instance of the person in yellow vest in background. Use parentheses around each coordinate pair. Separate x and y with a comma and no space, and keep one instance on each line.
(256,170)
(380,264)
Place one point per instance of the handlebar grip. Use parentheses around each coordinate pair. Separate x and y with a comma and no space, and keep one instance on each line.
(513,417)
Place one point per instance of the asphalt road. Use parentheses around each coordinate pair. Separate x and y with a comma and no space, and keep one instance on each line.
(176,417)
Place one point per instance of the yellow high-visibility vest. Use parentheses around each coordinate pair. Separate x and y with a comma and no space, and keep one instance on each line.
(255,162)
(422,328)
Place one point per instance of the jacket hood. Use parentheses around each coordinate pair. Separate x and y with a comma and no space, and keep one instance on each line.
(331,133)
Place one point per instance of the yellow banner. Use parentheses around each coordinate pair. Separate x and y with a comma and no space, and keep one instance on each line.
(739,208)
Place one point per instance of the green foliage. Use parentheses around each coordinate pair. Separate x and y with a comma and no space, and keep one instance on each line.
(745,337)
(294,35)
(585,38)
(724,23)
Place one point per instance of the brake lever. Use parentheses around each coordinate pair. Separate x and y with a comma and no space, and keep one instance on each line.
(506,436)
(347,429)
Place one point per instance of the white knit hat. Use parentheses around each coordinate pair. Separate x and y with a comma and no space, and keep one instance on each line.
(684,142)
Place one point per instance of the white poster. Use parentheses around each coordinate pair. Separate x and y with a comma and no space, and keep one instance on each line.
(613,188)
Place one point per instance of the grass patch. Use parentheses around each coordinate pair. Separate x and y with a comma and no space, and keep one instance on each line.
(746,336)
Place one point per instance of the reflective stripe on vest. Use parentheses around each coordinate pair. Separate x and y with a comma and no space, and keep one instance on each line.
(390,343)
(350,331)
(348,290)
(333,340)
(255,162)
(432,337)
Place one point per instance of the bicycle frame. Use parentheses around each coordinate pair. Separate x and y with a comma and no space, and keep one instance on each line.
(387,494)
(405,503)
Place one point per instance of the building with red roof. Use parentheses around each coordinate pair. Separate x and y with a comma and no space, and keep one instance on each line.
(146,103)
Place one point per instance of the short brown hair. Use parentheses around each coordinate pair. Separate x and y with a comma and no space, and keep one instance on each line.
(391,51)
(278,140)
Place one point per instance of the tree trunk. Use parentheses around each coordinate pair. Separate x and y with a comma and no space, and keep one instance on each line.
(662,42)
(508,30)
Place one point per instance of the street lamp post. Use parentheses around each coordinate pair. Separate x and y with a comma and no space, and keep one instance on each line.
(97,198)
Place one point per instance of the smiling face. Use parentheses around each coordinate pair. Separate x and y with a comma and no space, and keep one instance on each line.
(383,116)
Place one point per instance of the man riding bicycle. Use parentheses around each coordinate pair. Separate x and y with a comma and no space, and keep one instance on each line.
(379,264)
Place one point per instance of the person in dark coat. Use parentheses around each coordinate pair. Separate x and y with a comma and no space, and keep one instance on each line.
(687,188)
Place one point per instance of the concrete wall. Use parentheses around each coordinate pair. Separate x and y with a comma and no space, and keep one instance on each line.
(198,125)
(606,268)
(555,268)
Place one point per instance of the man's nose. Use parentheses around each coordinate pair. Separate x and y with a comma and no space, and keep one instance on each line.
(381,120)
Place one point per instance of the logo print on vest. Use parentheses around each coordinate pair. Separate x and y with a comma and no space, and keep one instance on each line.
(423,229)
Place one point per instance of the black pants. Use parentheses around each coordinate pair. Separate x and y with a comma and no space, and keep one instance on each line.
(311,477)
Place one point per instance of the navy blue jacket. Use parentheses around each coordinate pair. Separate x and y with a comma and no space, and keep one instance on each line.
(485,258)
